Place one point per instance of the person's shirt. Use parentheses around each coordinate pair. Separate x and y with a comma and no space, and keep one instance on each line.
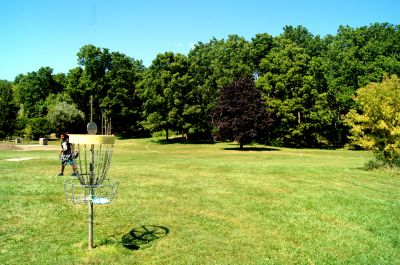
(66,147)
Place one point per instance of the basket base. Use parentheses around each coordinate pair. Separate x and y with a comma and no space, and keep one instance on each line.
(80,194)
(100,200)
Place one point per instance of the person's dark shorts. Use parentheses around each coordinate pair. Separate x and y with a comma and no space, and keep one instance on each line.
(67,159)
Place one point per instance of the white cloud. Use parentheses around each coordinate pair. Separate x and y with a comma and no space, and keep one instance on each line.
(192,45)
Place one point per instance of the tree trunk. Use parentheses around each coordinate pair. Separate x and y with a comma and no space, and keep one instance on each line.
(241,145)
(298,117)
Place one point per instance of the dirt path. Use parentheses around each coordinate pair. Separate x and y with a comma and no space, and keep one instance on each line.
(13,147)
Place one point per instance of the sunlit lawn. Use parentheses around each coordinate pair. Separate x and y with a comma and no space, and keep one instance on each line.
(205,204)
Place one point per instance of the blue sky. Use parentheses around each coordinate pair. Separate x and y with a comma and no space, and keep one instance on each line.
(36,33)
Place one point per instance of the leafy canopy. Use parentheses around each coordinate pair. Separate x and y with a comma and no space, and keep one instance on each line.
(241,114)
(65,117)
(9,109)
(378,126)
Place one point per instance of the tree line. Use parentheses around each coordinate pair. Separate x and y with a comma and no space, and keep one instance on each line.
(308,84)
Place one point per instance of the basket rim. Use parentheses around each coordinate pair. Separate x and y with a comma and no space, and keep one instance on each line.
(91,139)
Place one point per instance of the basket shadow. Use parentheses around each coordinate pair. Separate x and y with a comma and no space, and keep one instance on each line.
(143,236)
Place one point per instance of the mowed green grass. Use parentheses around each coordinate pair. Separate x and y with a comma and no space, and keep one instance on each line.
(205,204)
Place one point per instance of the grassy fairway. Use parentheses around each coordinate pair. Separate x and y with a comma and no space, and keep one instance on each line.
(205,204)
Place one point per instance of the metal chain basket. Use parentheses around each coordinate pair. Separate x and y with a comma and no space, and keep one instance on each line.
(77,193)
(93,158)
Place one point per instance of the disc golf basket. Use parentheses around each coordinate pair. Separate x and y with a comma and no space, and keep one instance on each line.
(91,186)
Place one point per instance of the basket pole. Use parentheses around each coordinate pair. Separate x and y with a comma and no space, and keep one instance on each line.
(91,177)
(90,245)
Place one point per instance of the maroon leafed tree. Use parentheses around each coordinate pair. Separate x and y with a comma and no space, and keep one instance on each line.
(241,114)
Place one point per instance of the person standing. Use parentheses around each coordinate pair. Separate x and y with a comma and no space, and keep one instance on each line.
(66,155)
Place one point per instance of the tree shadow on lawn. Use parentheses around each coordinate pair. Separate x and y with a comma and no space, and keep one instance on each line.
(140,237)
(252,148)
(182,140)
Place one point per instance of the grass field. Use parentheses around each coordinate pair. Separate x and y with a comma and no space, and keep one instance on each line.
(205,204)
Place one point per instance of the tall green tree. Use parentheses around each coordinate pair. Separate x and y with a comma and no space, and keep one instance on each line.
(231,60)
(77,89)
(261,45)
(163,90)
(122,103)
(353,58)
(294,87)
(204,89)
(212,66)
(9,109)
(32,90)
(95,62)
(241,114)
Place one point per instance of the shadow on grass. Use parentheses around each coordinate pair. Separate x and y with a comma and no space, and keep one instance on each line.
(181,140)
(143,236)
(139,237)
(252,148)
